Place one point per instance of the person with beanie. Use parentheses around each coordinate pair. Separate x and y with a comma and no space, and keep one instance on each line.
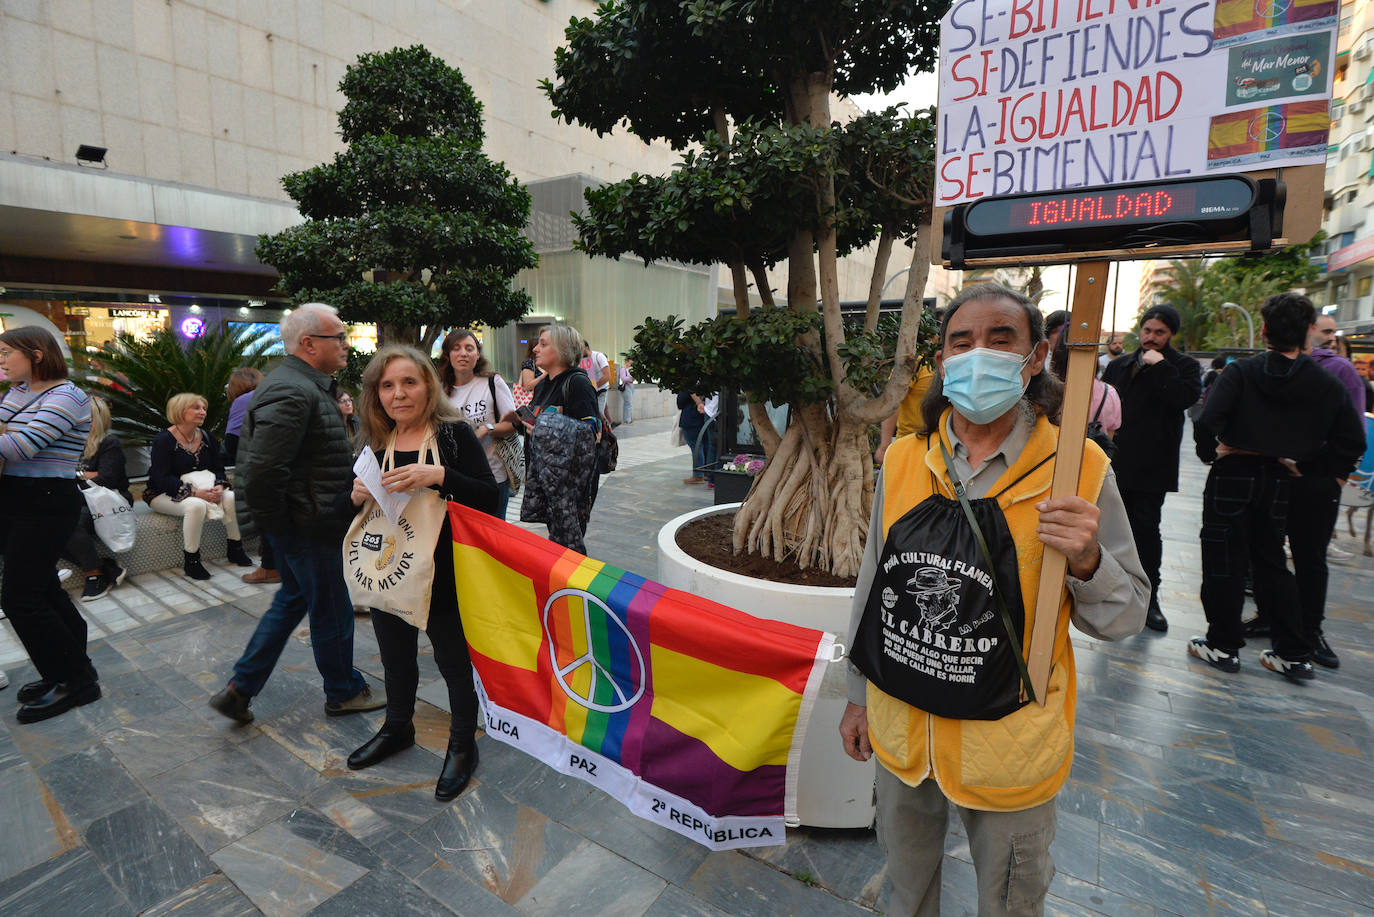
(1157,384)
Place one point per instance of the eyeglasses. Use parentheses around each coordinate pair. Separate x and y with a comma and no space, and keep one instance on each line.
(341,337)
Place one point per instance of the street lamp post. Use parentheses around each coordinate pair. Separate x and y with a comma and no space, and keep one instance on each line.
(1248,320)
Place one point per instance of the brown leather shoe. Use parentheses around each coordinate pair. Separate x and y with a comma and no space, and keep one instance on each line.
(261,575)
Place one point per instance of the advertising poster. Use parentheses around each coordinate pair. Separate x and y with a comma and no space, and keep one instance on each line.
(1051,95)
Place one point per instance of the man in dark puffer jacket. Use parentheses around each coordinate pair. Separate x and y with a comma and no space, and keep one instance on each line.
(293,459)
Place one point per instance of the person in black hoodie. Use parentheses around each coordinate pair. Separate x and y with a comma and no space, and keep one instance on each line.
(1268,418)
(1157,385)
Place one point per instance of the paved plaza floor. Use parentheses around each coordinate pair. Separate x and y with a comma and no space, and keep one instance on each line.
(1192,792)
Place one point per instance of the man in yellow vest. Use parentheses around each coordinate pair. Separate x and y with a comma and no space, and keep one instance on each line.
(945,607)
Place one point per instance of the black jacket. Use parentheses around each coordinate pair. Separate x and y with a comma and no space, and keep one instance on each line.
(294,456)
(1153,399)
(109,467)
(467,474)
(1282,408)
(167,462)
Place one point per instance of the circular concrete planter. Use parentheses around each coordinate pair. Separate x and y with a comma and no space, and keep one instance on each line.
(833,790)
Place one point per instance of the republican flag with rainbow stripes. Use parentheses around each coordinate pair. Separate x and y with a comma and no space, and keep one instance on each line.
(692,714)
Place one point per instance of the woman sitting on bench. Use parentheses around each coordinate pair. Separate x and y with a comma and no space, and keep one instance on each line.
(178,451)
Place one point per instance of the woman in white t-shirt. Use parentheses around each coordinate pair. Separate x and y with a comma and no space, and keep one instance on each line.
(471,385)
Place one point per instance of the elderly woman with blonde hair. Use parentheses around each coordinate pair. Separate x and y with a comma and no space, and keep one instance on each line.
(186,478)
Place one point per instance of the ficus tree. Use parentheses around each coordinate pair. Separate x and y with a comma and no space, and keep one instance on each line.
(411,226)
(745,88)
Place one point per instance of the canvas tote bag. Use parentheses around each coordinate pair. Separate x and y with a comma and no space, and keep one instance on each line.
(391,567)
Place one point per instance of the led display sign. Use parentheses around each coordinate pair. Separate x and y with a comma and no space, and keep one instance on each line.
(1186,211)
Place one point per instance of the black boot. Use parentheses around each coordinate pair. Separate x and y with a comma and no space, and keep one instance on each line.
(388,740)
(236,554)
(192,565)
(459,764)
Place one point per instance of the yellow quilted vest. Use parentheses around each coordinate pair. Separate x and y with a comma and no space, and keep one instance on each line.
(1024,758)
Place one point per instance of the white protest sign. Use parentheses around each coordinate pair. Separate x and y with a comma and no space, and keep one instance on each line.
(1048,95)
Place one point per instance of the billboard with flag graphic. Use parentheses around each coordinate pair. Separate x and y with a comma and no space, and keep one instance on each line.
(689,712)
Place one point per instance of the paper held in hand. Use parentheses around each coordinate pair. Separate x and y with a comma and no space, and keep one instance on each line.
(370,473)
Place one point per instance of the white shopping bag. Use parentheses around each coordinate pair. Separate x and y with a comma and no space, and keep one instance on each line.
(114,517)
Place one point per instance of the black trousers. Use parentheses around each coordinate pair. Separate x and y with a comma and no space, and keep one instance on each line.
(1314,504)
(399,644)
(80,548)
(37,515)
(1143,509)
(1244,518)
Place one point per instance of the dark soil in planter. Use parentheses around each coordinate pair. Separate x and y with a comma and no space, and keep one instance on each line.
(708,540)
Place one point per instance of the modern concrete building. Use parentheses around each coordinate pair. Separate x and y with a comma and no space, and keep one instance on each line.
(142,144)
(1346,290)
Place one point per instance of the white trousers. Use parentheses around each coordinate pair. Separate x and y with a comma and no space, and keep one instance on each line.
(192,511)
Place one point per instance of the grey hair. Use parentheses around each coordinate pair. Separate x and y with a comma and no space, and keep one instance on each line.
(566,341)
(304,319)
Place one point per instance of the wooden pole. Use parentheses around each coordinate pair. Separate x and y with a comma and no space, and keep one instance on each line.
(1083,331)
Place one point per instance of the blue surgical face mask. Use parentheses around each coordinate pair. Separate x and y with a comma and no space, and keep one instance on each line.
(984,384)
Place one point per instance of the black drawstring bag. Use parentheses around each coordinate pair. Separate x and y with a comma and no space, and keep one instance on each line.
(944,623)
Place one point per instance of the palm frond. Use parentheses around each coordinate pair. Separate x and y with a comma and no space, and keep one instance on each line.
(138,377)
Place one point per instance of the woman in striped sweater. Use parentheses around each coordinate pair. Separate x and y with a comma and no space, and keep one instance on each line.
(43,424)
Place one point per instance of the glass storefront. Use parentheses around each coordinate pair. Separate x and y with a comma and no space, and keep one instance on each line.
(91,326)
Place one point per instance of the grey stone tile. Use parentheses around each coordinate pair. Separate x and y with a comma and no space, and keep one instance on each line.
(592,881)
(848,863)
(133,697)
(1175,878)
(748,888)
(74,879)
(324,743)
(1282,899)
(221,796)
(400,790)
(49,739)
(1096,899)
(161,743)
(675,902)
(90,783)
(530,782)
(146,854)
(215,896)
(34,827)
(446,883)
(403,852)
(1075,847)
(664,853)
(502,846)
(10,755)
(283,872)
(285,768)
(382,891)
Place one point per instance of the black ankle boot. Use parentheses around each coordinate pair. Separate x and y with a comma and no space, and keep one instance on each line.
(192,565)
(388,740)
(459,764)
(236,554)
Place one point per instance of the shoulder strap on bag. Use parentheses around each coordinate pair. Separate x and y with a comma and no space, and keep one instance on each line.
(1096,414)
(992,569)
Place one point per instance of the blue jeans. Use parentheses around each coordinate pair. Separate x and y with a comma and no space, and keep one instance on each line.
(502,498)
(312,582)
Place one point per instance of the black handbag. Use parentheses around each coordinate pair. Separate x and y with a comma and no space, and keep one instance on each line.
(1099,435)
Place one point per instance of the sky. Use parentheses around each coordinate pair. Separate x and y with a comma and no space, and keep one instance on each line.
(921,91)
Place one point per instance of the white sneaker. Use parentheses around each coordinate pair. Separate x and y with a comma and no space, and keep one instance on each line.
(1335,553)
(4,680)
